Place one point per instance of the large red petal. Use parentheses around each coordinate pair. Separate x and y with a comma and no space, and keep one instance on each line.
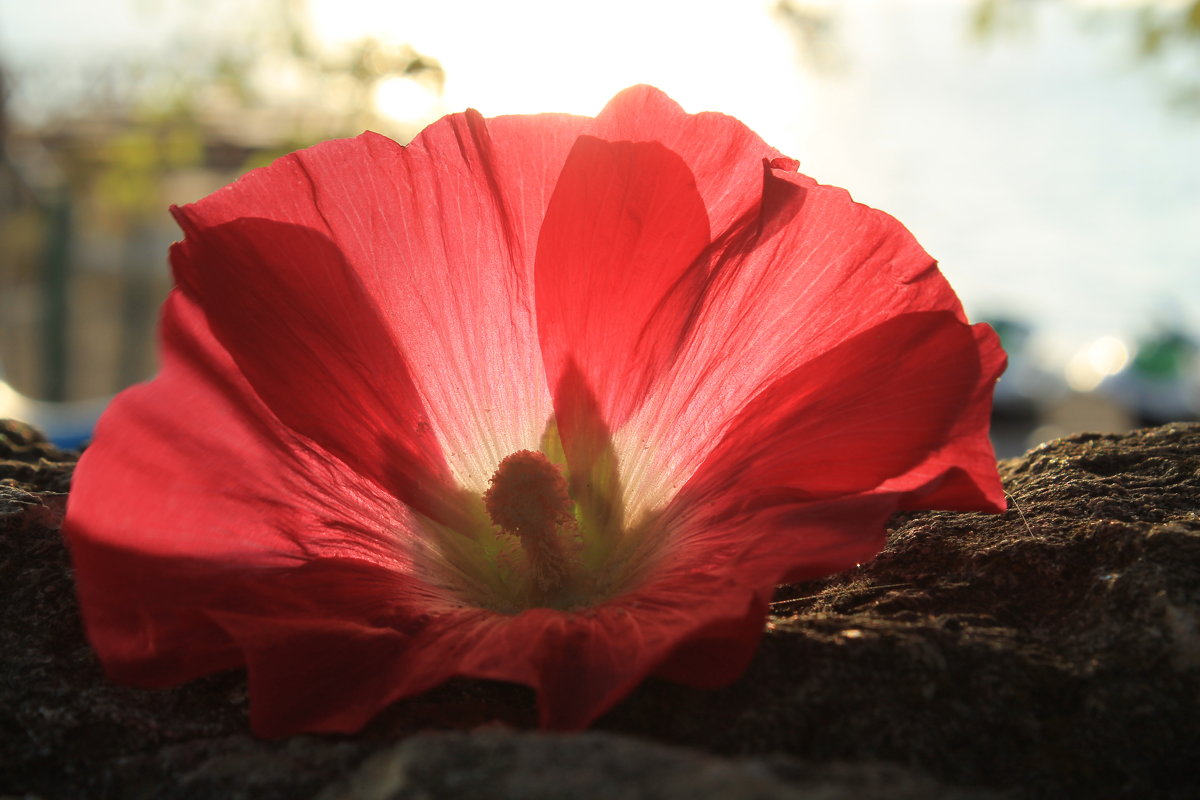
(304,332)
(723,155)
(189,480)
(436,244)
(962,473)
(599,656)
(581,663)
(332,642)
(615,295)
(854,418)
(807,474)
(785,542)
(812,270)
(350,638)
(659,351)
(613,292)
(758,550)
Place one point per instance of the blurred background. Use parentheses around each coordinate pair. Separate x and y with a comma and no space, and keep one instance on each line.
(1047,152)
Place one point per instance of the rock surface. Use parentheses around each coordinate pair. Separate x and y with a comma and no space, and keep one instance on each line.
(1051,651)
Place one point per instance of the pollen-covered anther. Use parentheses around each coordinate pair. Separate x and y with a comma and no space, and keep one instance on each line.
(528,497)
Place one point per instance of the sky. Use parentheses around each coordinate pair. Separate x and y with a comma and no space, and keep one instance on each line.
(1045,170)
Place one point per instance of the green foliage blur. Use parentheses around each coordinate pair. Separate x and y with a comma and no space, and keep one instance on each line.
(1164,33)
(85,183)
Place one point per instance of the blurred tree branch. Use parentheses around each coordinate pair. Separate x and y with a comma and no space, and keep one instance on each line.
(1161,32)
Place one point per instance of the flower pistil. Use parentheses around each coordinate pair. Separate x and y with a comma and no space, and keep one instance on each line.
(528,499)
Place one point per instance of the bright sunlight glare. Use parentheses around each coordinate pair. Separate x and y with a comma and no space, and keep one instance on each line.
(529,56)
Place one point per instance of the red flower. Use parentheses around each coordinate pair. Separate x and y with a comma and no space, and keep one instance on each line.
(543,399)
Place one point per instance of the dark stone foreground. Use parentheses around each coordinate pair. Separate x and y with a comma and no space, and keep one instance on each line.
(1052,651)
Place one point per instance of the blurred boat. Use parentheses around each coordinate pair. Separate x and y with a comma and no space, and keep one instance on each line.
(1161,383)
(1027,385)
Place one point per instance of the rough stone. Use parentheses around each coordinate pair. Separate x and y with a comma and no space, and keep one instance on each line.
(503,765)
(1051,651)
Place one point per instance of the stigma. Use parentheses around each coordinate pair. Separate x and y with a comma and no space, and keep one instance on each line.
(528,498)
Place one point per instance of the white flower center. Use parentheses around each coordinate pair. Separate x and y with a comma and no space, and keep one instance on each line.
(543,536)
